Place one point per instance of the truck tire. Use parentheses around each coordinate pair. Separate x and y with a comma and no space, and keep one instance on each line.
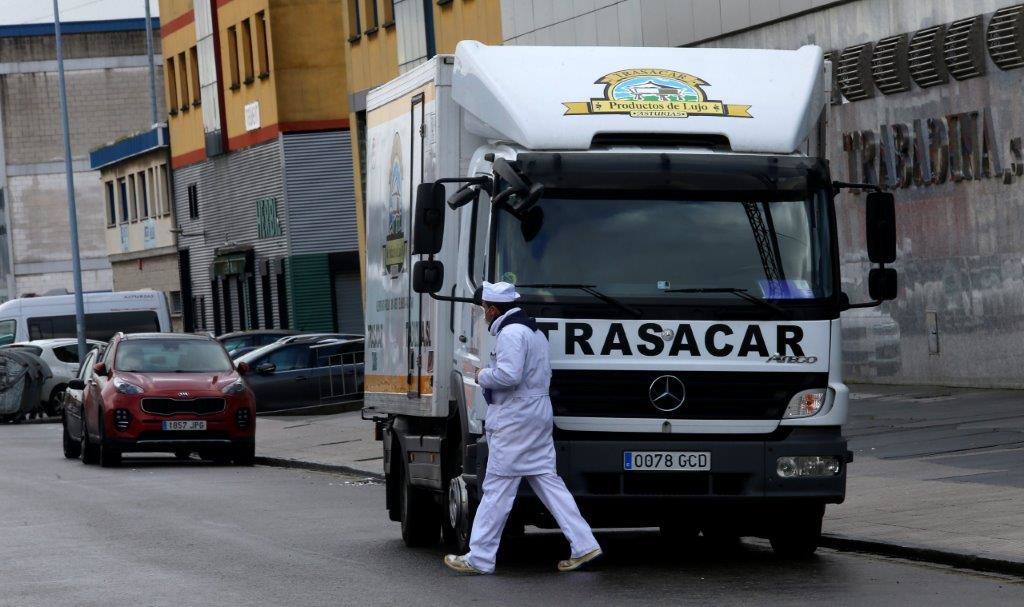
(798,540)
(456,506)
(419,513)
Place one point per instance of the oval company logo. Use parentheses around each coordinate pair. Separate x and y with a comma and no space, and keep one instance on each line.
(667,393)
(182,394)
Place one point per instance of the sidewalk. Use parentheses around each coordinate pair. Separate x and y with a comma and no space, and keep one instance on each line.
(935,469)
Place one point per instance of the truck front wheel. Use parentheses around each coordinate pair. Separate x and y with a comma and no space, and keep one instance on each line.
(419,513)
(799,539)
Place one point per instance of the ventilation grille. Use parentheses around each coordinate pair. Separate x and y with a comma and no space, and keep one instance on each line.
(854,72)
(889,65)
(1005,37)
(925,61)
(964,51)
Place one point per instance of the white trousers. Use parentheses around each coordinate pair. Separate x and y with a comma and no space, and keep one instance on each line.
(500,493)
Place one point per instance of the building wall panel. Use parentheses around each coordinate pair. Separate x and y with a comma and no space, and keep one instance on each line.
(320,192)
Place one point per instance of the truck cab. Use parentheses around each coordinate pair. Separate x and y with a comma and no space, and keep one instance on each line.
(673,231)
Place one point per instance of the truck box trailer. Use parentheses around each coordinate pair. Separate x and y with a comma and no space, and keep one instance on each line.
(669,219)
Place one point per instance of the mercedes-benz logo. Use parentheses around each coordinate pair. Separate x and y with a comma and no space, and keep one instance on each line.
(667,393)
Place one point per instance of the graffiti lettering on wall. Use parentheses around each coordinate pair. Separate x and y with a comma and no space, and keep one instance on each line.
(931,151)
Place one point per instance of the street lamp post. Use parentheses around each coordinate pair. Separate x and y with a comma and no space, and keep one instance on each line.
(76,262)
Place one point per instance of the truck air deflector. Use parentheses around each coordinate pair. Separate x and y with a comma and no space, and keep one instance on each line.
(543,98)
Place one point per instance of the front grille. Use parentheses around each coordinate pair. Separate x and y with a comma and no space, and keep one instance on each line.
(667,483)
(709,395)
(169,406)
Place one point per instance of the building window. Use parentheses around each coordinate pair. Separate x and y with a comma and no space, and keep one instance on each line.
(111,204)
(370,10)
(183,80)
(122,189)
(355,28)
(165,197)
(193,201)
(268,302)
(262,51)
(389,13)
(193,56)
(133,201)
(282,296)
(236,80)
(143,195)
(247,51)
(174,298)
(172,87)
(215,297)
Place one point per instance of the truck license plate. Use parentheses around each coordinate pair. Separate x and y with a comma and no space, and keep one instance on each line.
(669,461)
(191,424)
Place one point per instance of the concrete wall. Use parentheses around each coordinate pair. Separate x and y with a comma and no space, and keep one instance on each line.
(108,93)
(159,273)
(637,22)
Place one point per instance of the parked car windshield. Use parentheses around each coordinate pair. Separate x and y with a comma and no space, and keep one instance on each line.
(171,356)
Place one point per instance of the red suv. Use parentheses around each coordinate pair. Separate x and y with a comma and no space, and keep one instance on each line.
(164,392)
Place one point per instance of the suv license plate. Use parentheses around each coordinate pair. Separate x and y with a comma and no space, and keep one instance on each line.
(185,425)
(667,461)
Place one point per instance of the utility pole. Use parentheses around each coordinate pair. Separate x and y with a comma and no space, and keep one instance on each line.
(76,263)
(152,69)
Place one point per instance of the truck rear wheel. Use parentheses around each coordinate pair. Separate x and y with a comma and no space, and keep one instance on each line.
(419,513)
(798,540)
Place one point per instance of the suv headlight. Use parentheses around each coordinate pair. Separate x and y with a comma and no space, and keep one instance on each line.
(808,403)
(125,387)
(235,387)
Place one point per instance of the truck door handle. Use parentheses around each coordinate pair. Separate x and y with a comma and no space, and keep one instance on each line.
(300,378)
(462,338)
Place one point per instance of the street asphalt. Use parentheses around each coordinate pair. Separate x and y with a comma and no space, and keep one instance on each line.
(161,532)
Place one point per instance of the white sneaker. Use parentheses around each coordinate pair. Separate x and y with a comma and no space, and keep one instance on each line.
(576,563)
(459,563)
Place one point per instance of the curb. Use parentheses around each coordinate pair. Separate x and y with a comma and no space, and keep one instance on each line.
(916,552)
(281,462)
(842,543)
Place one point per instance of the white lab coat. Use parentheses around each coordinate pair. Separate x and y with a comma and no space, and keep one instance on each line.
(518,422)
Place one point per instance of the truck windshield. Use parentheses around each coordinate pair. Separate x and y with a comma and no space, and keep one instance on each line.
(631,246)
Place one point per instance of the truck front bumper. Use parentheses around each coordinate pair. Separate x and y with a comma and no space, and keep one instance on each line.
(742,481)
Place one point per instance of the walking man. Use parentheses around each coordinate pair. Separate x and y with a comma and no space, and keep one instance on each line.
(518,428)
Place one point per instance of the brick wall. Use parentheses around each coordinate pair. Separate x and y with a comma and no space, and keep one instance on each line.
(39,217)
(103,106)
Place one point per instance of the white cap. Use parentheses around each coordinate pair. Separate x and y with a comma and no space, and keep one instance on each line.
(499,292)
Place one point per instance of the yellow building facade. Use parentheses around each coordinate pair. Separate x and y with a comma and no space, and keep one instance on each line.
(262,169)
(383,38)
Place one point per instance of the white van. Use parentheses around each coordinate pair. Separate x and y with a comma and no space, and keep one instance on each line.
(32,318)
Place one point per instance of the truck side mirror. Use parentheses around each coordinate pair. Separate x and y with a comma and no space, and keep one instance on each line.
(428,225)
(427,276)
(880,226)
(882,284)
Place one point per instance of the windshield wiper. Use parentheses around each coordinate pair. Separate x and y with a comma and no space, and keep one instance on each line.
(742,293)
(592,291)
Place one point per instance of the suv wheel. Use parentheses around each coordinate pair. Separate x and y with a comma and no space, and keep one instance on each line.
(244,455)
(90,452)
(72,448)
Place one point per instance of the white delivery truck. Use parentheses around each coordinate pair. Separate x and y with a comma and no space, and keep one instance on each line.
(669,219)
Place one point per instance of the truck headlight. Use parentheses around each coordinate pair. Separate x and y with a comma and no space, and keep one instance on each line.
(807,465)
(235,387)
(807,403)
(125,387)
